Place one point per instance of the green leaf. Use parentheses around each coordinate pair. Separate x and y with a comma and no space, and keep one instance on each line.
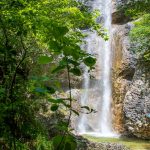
(45,59)
(76,71)
(93,111)
(68,146)
(55,47)
(44,78)
(51,90)
(54,107)
(2,90)
(57,84)
(62,126)
(56,140)
(63,62)
(70,141)
(89,61)
(68,51)
(59,31)
(75,63)
(75,112)
(57,69)
(55,100)
(106,38)
(147,56)
(34,78)
(63,30)
(40,90)
(86,107)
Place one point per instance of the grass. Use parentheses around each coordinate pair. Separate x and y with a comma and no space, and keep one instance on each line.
(133,144)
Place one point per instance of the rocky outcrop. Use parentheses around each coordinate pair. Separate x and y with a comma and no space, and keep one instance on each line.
(137,106)
(106,146)
(118,15)
(84,144)
(123,71)
(131,89)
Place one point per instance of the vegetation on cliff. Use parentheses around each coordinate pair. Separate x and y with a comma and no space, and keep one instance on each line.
(139,10)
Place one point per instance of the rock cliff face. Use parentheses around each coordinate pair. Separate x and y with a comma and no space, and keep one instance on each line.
(137,106)
(118,17)
(131,98)
(123,71)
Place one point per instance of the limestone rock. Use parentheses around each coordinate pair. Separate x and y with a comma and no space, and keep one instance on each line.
(118,16)
(137,107)
(84,144)
(131,90)
(124,63)
(106,146)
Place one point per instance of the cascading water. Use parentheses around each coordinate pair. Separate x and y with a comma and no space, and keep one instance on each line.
(97,93)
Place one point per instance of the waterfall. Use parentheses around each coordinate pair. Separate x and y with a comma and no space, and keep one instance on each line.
(105,118)
(97,92)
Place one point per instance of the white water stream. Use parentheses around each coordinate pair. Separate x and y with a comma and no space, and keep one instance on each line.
(98,94)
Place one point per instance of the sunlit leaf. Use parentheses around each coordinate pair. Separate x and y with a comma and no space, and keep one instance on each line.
(45,59)
(57,69)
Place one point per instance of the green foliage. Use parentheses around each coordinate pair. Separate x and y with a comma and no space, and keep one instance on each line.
(140,34)
(41,143)
(76,71)
(54,107)
(45,59)
(55,100)
(90,61)
(64,142)
(39,39)
(136,8)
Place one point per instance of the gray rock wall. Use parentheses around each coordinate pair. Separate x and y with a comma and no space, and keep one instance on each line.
(131,89)
(137,106)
